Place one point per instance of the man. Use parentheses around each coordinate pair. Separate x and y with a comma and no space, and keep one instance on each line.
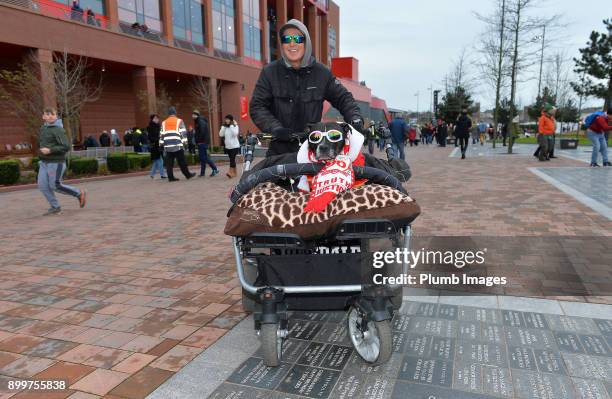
(202,139)
(105,140)
(290,92)
(546,129)
(54,145)
(462,131)
(442,133)
(596,133)
(398,128)
(482,131)
(172,139)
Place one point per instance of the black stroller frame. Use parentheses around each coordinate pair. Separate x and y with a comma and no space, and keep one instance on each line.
(271,284)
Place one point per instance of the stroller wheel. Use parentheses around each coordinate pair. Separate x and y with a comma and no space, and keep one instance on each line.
(371,339)
(271,344)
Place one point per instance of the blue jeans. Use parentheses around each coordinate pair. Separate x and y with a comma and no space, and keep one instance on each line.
(599,145)
(50,180)
(204,159)
(158,164)
(399,151)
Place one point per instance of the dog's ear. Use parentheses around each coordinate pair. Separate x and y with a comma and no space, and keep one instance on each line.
(309,128)
(346,128)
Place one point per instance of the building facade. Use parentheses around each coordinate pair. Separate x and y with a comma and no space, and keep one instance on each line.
(149,52)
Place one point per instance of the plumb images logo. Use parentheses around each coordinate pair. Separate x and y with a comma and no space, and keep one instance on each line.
(459,259)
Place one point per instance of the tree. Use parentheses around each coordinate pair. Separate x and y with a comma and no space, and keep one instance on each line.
(75,85)
(22,89)
(568,113)
(202,91)
(535,110)
(557,78)
(452,104)
(596,62)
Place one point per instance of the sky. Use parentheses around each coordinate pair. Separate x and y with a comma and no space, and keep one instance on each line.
(405,46)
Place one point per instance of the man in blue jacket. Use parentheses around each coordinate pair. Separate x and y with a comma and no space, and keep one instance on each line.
(398,129)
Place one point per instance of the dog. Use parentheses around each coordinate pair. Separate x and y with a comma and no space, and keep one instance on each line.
(327,140)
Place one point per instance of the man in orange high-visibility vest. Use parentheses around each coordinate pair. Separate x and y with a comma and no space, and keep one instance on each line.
(173,139)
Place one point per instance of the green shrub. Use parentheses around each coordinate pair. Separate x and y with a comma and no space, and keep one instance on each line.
(84,166)
(216,149)
(9,171)
(138,161)
(117,163)
(192,159)
(35,164)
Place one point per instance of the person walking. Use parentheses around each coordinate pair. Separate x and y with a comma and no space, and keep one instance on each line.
(115,140)
(442,133)
(398,128)
(230,134)
(596,133)
(462,131)
(105,140)
(157,162)
(201,136)
(173,139)
(54,145)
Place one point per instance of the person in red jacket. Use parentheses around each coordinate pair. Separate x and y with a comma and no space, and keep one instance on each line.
(596,133)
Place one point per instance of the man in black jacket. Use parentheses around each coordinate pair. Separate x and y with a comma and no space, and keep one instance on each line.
(202,139)
(462,131)
(290,92)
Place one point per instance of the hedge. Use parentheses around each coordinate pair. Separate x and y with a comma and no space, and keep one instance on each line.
(35,164)
(9,171)
(117,163)
(138,161)
(84,166)
(192,159)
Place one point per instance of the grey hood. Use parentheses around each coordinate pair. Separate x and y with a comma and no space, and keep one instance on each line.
(308,58)
(58,122)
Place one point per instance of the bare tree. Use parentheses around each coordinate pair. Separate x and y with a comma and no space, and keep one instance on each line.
(494,50)
(75,85)
(558,77)
(201,89)
(459,75)
(22,89)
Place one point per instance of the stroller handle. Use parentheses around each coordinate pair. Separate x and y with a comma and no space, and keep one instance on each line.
(278,172)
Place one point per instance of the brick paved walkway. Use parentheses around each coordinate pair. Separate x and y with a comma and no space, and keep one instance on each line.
(119,296)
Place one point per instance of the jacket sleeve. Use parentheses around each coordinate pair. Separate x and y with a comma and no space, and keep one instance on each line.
(235,130)
(62,145)
(222,131)
(600,124)
(183,132)
(261,104)
(341,99)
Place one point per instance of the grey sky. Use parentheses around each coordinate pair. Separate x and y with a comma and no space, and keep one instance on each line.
(406,46)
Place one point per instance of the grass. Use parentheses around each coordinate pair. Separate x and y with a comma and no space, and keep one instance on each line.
(533,140)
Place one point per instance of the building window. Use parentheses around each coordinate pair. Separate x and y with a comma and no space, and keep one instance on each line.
(251,25)
(145,12)
(97,6)
(187,20)
(224,36)
(332,42)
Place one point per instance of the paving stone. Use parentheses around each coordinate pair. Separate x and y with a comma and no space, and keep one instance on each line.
(311,382)
(521,358)
(589,389)
(529,384)
(437,327)
(595,345)
(583,366)
(426,371)
(568,342)
(468,377)
(405,390)
(532,338)
(253,373)
(490,316)
(482,353)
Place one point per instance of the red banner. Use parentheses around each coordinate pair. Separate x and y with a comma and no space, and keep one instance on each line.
(244,108)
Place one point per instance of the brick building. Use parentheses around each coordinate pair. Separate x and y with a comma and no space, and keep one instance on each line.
(139,46)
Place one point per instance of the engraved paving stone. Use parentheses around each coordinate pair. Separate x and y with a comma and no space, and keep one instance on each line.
(399,341)
(337,357)
(540,339)
(491,316)
(594,345)
(568,342)
(583,366)
(418,345)
(231,391)
(481,353)
(589,389)
(578,325)
(443,348)
(530,384)
(513,319)
(400,323)
(535,320)
(334,333)
(549,362)
(468,377)
(605,326)
(312,316)
(409,308)
(314,354)
(307,381)
(406,390)
(448,312)
(493,333)
(426,371)
(437,327)
(378,387)
(254,373)
(521,358)
(469,330)
(292,350)
(349,385)
(303,329)
(496,381)
(390,369)
(427,309)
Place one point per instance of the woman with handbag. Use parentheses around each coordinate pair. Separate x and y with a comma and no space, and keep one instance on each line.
(230,133)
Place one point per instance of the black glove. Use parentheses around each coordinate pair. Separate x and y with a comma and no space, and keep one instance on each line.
(287,135)
(358,125)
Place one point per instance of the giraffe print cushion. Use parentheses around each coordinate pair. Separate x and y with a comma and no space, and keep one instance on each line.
(271,209)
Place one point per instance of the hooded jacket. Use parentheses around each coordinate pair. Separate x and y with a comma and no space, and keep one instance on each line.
(546,124)
(53,136)
(463,126)
(286,97)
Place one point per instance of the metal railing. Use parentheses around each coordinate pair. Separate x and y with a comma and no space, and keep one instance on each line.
(100,152)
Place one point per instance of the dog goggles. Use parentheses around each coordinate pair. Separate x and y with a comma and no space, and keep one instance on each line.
(297,39)
(333,136)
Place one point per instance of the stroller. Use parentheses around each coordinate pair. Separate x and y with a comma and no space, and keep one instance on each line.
(282,272)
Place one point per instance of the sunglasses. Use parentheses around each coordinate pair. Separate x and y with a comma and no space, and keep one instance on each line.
(333,136)
(286,39)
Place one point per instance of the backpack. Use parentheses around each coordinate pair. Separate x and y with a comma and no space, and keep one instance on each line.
(588,121)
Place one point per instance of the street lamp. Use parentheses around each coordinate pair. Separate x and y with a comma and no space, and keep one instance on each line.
(417,96)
